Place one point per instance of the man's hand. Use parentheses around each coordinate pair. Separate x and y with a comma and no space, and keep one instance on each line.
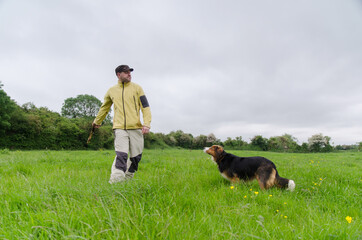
(145,130)
(95,125)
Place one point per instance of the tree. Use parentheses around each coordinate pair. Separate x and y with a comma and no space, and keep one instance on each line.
(282,143)
(236,143)
(7,106)
(83,106)
(319,143)
(304,148)
(199,142)
(183,140)
(260,142)
(211,138)
(170,140)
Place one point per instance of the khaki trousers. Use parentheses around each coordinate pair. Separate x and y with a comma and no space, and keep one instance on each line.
(124,166)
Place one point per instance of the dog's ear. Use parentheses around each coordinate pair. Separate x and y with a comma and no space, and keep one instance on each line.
(219,150)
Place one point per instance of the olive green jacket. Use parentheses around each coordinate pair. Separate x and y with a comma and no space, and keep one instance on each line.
(128,99)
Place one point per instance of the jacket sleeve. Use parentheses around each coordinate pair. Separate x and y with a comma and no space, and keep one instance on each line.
(104,109)
(145,108)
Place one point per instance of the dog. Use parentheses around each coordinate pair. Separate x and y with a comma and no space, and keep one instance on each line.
(235,169)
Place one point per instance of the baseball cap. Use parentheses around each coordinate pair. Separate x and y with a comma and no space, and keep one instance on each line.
(123,68)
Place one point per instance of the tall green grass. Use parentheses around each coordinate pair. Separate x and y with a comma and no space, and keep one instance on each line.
(176,194)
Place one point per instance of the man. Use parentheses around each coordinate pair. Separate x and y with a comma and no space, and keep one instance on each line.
(128,99)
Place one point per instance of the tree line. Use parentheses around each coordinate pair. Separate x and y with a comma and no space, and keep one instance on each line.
(28,127)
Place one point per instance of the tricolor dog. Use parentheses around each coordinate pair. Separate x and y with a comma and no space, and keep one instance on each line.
(235,169)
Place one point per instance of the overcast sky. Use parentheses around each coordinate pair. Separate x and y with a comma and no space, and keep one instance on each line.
(232,68)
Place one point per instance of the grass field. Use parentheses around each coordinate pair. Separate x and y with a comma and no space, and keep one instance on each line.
(176,194)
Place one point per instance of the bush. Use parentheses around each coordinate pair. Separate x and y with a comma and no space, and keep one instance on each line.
(236,143)
(153,141)
(259,143)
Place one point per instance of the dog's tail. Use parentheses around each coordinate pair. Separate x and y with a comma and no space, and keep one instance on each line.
(284,183)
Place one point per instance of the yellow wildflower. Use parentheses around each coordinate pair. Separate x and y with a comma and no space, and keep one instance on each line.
(270,195)
(285,217)
(349,219)
(232,187)
(245,196)
(256,193)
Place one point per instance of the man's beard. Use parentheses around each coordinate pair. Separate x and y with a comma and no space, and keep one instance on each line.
(125,80)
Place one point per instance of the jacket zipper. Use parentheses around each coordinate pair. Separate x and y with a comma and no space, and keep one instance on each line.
(124,110)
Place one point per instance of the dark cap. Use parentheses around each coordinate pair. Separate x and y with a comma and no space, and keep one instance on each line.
(123,68)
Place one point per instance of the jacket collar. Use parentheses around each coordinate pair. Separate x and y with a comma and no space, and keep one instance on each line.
(125,84)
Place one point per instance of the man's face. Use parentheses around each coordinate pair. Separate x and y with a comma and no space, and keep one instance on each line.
(124,76)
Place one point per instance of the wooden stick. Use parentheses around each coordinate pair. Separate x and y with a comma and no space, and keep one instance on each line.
(90,135)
